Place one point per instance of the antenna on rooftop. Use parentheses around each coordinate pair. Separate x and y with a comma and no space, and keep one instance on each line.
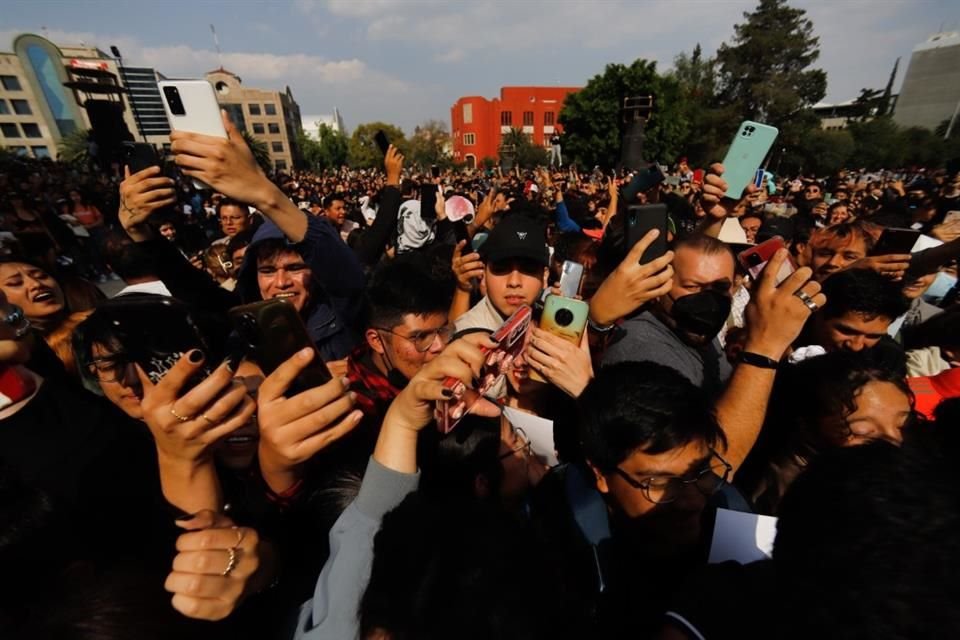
(216,44)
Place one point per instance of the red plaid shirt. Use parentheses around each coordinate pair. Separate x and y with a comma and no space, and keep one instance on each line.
(374,391)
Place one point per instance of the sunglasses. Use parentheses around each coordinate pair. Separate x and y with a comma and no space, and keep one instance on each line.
(526,266)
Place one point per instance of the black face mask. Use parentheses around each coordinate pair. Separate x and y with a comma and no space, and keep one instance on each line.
(703,313)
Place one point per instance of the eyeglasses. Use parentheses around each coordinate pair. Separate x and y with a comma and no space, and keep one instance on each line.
(112,368)
(521,444)
(666,489)
(525,266)
(423,340)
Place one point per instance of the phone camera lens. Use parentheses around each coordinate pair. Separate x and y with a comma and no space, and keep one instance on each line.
(563,317)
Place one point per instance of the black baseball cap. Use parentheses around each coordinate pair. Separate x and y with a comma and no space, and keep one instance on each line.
(517,236)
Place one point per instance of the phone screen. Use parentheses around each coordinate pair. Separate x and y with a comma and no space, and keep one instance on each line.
(895,241)
(641,219)
(428,201)
(435,171)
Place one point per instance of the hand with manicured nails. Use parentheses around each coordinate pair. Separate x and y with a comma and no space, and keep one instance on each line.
(563,364)
(293,430)
(226,164)
(467,268)
(631,285)
(204,584)
(775,315)
(141,194)
(213,409)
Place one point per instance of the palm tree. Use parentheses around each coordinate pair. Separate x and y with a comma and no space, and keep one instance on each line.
(74,147)
(260,151)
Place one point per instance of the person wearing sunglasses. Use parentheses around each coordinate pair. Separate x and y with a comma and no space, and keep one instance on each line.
(516,260)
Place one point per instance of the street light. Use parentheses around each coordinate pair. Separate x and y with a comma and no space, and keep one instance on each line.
(133,105)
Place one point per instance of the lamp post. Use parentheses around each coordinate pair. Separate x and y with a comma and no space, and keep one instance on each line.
(133,105)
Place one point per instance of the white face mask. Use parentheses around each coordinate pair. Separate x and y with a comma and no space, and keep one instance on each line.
(940,288)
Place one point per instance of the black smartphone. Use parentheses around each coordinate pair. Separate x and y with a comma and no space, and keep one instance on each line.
(435,171)
(641,218)
(139,156)
(895,241)
(428,201)
(273,331)
(382,143)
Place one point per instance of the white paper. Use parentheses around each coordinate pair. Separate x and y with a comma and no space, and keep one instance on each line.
(925,242)
(539,431)
(744,537)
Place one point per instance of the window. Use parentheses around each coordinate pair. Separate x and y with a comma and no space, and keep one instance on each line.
(506,118)
(30,130)
(468,114)
(258,128)
(281,165)
(277,147)
(10,130)
(20,151)
(40,152)
(21,107)
(548,117)
(528,118)
(469,139)
(273,127)
(4,109)
(254,109)
(10,83)
(270,109)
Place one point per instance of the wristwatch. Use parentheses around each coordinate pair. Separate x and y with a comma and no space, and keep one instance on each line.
(757,360)
(600,328)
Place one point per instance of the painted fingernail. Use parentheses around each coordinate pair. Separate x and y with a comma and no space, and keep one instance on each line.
(447,393)
(195,356)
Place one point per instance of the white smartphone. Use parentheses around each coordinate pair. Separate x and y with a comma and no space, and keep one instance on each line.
(191,105)
(570,277)
(747,151)
(951,217)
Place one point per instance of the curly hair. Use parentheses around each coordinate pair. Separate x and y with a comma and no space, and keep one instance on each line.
(865,292)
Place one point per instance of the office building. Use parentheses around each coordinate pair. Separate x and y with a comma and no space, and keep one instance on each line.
(334,120)
(478,124)
(271,116)
(931,87)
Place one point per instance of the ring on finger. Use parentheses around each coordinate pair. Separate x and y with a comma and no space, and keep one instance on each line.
(179,417)
(803,296)
(241,533)
(231,562)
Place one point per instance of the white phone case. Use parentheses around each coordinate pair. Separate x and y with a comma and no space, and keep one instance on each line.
(202,111)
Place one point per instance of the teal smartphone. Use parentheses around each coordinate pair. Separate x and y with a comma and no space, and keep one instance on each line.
(747,151)
(564,317)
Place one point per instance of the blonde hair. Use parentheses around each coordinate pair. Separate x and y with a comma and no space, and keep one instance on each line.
(60,340)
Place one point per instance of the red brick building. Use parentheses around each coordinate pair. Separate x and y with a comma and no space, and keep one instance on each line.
(477,124)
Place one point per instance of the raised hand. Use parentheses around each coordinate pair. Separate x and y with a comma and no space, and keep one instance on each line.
(141,194)
(293,430)
(467,268)
(776,314)
(631,285)
(563,364)
(393,165)
(893,265)
(217,565)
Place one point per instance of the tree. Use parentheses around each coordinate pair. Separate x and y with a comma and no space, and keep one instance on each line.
(822,153)
(74,147)
(430,144)
(876,144)
(259,149)
(709,129)
(328,151)
(363,152)
(593,124)
(528,155)
(765,74)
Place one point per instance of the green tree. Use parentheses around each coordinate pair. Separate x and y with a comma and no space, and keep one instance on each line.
(259,149)
(876,143)
(74,146)
(528,155)
(766,74)
(709,120)
(327,151)
(430,144)
(822,152)
(363,152)
(592,120)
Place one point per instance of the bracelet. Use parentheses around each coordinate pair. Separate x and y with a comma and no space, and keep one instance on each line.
(601,328)
(757,360)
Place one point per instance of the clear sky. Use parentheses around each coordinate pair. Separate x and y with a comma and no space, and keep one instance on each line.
(407,61)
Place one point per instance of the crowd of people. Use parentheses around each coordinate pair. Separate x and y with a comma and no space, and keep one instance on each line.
(162,475)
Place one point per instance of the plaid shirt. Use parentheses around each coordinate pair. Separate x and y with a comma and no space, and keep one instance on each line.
(374,391)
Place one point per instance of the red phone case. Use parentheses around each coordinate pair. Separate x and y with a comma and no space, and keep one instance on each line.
(511,337)
(754,259)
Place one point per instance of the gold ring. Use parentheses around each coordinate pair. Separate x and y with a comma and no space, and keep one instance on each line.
(178,416)
(204,416)
(231,562)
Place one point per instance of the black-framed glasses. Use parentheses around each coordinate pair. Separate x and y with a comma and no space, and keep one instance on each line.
(112,368)
(521,443)
(666,489)
(423,340)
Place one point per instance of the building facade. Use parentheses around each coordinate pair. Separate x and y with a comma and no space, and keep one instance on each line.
(271,116)
(311,123)
(38,109)
(478,124)
(931,87)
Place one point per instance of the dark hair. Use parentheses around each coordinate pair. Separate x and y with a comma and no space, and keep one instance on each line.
(333,197)
(864,292)
(269,249)
(128,259)
(230,202)
(868,543)
(401,286)
(643,406)
(753,213)
(836,205)
(451,467)
(942,330)
(707,245)
(239,241)
(855,229)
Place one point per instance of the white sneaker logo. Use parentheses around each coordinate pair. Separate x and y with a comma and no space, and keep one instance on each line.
(522,235)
